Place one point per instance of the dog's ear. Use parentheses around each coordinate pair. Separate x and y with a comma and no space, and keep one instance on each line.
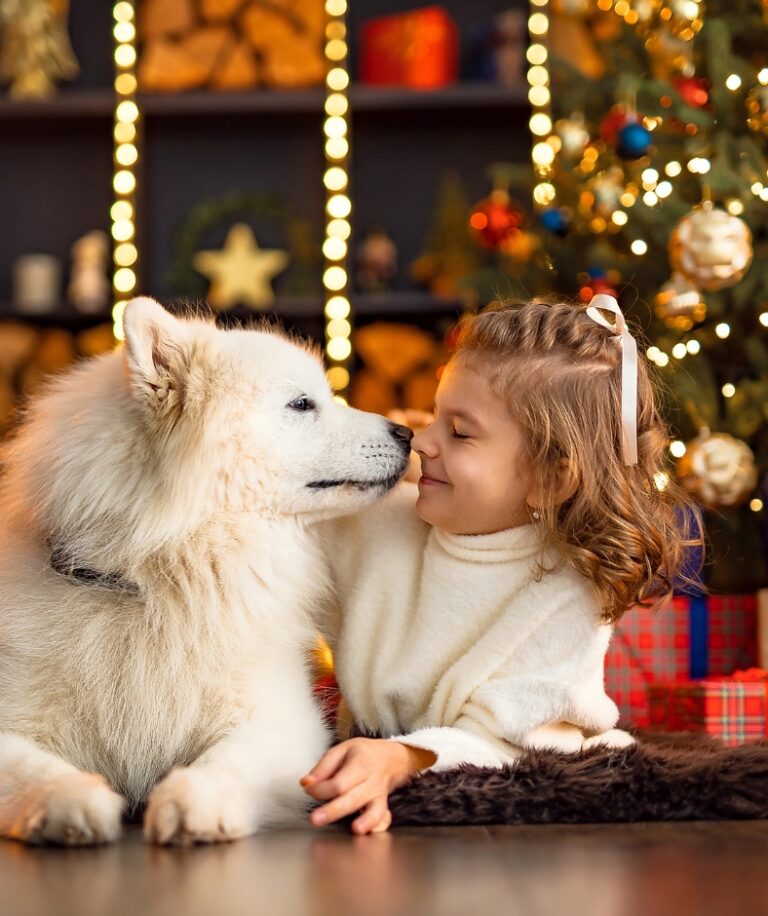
(156,352)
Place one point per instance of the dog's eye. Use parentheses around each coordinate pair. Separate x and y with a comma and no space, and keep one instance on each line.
(301,404)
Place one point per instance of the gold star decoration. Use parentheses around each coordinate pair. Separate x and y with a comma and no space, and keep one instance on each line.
(241,272)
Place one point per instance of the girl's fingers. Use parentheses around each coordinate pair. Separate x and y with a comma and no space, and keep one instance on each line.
(384,824)
(376,817)
(345,779)
(340,807)
(326,766)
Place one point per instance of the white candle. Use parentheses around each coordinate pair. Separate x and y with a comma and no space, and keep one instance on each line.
(36,283)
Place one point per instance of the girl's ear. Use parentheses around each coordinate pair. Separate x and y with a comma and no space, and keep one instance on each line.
(566,484)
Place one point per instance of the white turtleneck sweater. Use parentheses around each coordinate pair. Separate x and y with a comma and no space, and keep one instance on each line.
(449,643)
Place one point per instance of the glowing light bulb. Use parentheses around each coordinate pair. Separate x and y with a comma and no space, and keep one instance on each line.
(334,249)
(338,377)
(538,24)
(339,206)
(337,79)
(338,348)
(335,278)
(337,307)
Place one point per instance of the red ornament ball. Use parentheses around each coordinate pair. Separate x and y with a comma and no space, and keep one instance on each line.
(612,123)
(495,219)
(693,90)
(595,287)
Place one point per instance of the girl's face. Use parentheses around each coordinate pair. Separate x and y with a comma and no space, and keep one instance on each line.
(475,476)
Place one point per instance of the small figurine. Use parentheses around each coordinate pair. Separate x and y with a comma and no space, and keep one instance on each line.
(89,285)
(376,261)
(35,49)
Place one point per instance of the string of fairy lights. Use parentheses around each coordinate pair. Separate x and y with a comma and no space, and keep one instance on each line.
(125,158)
(338,205)
(543,148)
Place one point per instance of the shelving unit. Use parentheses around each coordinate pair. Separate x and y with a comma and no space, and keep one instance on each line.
(286,308)
(99,103)
(56,162)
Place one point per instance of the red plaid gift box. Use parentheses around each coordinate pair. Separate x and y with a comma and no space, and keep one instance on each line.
(687,637)
(734,709)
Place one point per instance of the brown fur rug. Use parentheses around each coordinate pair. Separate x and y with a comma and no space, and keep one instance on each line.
(670,778)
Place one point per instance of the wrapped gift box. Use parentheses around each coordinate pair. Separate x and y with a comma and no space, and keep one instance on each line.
(419,49)
(689,637)
(733,709)
(762,628)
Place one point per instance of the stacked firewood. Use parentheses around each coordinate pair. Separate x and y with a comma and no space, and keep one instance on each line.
(28,356)
(230,44)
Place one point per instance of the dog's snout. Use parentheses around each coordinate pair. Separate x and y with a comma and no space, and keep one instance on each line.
(402,435)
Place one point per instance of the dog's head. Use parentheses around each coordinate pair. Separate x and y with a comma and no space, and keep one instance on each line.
(250,416)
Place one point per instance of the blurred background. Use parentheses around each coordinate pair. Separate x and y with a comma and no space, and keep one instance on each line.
(365,172)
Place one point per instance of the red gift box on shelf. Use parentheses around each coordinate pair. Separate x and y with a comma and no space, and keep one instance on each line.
(688,637)
(734,709)
(419,49)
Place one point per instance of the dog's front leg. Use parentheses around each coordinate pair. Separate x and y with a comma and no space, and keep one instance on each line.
(246,781)
(44,799)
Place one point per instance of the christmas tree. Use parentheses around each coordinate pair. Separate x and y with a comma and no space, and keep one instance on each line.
(653,184)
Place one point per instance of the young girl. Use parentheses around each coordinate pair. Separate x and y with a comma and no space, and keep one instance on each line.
(475,624)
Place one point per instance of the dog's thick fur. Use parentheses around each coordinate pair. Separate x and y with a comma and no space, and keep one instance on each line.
(186,466)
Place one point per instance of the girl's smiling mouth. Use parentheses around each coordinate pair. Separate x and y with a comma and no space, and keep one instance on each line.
(426,480)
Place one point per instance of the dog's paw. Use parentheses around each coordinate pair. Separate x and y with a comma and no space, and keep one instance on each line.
(197,806)
(613,739)
(78,809)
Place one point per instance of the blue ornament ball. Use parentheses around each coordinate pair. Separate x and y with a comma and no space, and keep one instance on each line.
(555,221)
(634,140)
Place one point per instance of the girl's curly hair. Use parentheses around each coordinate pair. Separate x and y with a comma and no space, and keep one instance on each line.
(560,374)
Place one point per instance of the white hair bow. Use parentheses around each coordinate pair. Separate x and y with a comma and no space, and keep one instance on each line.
(628,369)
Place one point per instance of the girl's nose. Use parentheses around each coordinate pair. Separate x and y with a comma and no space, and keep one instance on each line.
(424,443)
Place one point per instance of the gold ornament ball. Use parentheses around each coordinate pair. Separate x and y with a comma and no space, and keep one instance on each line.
(606,189)
(757,108)
(711,248)
(573,134)
(679,304)
(718,470)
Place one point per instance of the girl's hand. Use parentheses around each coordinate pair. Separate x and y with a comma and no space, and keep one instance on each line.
(358,775)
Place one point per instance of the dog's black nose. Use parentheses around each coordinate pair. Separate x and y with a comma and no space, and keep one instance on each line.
(401,434)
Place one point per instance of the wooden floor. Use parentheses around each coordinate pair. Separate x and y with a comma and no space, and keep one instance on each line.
(687,869)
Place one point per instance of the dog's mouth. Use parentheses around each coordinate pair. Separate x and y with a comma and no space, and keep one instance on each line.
(385,483)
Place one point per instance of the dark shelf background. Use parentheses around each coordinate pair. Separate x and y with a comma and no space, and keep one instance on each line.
(56,161)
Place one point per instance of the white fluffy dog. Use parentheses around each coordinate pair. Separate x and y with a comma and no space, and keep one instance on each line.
(157,578)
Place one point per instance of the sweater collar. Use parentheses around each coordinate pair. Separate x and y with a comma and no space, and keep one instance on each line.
(518,543)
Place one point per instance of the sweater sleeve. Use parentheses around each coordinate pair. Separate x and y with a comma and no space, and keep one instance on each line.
(514,711)
(509,715)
